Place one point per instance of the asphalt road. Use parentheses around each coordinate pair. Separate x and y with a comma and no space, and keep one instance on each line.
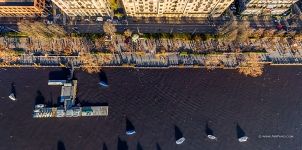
(209,27)
(198,27)
(148,28)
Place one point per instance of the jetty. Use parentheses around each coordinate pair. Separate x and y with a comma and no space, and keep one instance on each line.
(69,109)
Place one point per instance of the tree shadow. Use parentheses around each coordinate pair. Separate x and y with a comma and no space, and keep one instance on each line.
(103,78)
(74,76)
(105,146)
(13,89)
(129,125)
(139,146)
(240,132)
(157,147)
(121,145)
(59,102)
(62,74)
(87,103)
(39,98)
(52,102)
(208,130)
(178,133)
(181,49)
(50,95)
(71,75)
(60,145)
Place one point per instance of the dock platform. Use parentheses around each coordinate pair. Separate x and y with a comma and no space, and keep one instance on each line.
(69,109)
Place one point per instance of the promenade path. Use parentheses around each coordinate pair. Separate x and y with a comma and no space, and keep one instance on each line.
(277,52)
(137,60)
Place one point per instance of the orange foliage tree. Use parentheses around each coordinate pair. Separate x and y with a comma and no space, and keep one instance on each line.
(8,56)
(251,65)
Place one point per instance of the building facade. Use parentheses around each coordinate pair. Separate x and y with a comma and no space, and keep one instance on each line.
(21,8)
(266,7)
(176,8)
(84,7)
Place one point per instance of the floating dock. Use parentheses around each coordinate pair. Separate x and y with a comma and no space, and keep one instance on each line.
(46,112)
(69,109)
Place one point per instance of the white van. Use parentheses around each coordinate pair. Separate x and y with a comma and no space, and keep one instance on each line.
(99,19)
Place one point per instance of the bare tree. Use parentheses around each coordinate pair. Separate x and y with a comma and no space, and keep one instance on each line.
(2,47)
(109,28)
(230,32)
(243,31)
(41,31)
(291,33)
(269,33)
(228,28)
(258,33)
(280,33)
(298,36)
(230,36)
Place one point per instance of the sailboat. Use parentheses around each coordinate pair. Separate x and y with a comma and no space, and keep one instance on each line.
(212,137)
(12,97)
(103,84)
(180,140)
(243,139)
(130,132)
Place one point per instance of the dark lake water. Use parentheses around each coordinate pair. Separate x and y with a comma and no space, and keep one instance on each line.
(157,102)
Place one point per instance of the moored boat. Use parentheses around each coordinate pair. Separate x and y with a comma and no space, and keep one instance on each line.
(12,97)
(180,140)
(130,132)
(103,84)
(212,137)
(243,139)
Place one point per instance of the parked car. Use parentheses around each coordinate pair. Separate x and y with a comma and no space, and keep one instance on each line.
(100,19)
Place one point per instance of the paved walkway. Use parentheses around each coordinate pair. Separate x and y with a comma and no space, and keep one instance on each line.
(145,53)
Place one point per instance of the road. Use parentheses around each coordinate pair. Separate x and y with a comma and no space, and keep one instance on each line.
(205,27)
(197,27)
(148,28)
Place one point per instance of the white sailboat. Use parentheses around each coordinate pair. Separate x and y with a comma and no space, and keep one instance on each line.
(243,139)
(12,97)
(180,140)
(212,137)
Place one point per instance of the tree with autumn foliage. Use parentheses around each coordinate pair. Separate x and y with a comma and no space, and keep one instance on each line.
(212,61)
(251,65)
(90,63)
(7,56)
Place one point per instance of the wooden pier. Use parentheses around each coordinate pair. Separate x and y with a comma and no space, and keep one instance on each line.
(69,109)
